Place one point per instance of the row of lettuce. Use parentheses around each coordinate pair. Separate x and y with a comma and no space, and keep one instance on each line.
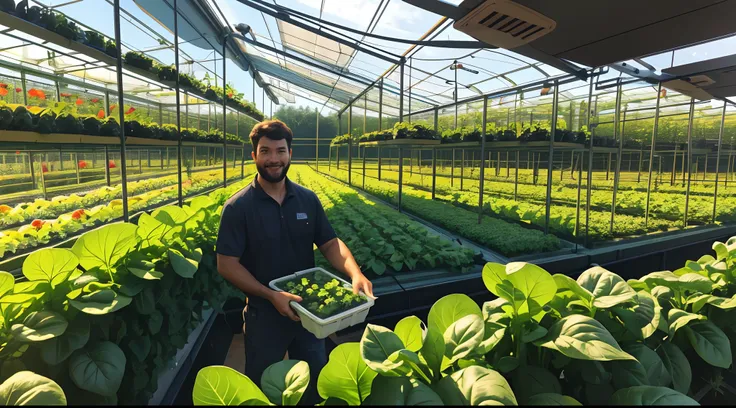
(60,118)
(64,217)
(466,134)
(57,22)
(103,319)
(663,339)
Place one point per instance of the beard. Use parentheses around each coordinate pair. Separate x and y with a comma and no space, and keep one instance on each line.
(264,173)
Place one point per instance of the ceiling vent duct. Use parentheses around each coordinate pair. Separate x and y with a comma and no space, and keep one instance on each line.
(505,24)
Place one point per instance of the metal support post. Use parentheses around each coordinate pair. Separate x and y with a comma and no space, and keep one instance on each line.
(379,163)
(401,172)
(577,205)
(617,174)
(651,155)
(119,71)
(481,184)
(555,99)
(33,173)
(452,170)
(380,111)
(107,166)
(329,160)
(516,176)
(689,157)
(24,87)
(43,181)
(401,93)
(363,166)
(589,178)
(462,168)
(61,162)
(718,160)
(434,171)
(224,112)
(76,167)
(350,145)
(316,148)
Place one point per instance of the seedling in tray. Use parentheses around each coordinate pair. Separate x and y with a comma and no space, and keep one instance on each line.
(322,295)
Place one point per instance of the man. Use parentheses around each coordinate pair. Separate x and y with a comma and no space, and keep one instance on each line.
(267,231)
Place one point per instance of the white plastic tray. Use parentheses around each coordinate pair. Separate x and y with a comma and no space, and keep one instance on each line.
(322,328)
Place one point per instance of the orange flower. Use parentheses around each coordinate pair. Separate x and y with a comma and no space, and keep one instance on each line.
(3,91)
(112,108)
(4,209)
(65,95)
(131,110)
(79,101)
(77,214)
(37,224)
(37,93)
(101,114)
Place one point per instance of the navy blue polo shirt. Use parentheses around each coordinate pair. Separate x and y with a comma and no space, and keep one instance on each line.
(273,240)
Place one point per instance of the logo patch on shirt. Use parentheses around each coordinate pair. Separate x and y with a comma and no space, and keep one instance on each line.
(301,216)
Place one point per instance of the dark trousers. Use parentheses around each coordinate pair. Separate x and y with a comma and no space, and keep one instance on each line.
(268,336)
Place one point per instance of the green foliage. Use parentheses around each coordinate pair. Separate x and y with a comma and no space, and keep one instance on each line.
(28,388)
(322,295)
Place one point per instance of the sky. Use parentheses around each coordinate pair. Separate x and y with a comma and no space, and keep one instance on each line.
(399,20)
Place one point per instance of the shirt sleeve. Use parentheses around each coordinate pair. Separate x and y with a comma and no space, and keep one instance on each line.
(323,231)
(231,236)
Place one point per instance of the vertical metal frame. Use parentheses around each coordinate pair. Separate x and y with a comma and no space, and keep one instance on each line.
(484,122)
(651,155)
(380,110)
(350,145)
(434,153)
(718,161)
(553,126)
(617,171)
(401,94)
(689,157)
(179,151)
(401,173)
(121,104)
(224,112)
(316,149)
(410,72)
(589,178)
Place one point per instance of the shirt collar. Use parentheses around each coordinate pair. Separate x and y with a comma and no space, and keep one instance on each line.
(263,195)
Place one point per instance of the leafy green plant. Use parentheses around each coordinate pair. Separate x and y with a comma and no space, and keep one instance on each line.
(321,294)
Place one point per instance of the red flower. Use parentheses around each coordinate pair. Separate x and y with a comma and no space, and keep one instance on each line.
(65,95)
(18,90)
(101,114)
(17,152)
(131,110)
(111,165)
(77,214)
(95,100)
(37,224)
(3,91)
(82,164)
(37,93)
(4,86)
(79,101)
(44,168)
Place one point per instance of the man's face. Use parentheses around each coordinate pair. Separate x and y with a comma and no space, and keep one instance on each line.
(272,158)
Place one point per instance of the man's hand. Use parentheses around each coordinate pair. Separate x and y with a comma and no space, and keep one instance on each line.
(360,282)
(280,301)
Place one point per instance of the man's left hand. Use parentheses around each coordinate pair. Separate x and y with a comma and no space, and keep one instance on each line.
(360,282)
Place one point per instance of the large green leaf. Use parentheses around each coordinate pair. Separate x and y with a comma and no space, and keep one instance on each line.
(402,391)
(53,265)
(6,283)
(493,333)
(220,385)
(641,319)
(529,381)
(695,282)
(450,309)
(526,286)
(583,338)
(104,247)
(29,388)
(680,318)
(566,283)
(409,330)
(628,373)
(607,288)
(376,345)
(650,395)
(346,376)
(39,326)
(463,337)
(98,368)
(284,382)
(550,399)
(100,302)
(433,350)
(183,266)
(654,369)
(475,385)
(58,349)
(677,365)
(711,344)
